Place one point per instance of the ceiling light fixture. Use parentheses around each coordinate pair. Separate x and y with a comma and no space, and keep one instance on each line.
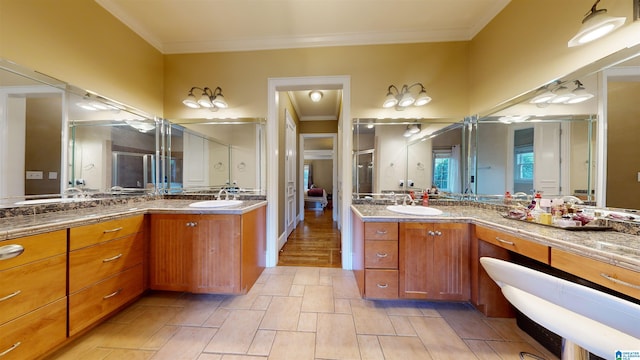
(402,98)
(210,99)
(315,95)
(595,25)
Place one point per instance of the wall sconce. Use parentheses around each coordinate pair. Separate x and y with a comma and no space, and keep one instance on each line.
(411,129)
(403,97)
(315,95)
(210,99)
(562,95)
(595,25)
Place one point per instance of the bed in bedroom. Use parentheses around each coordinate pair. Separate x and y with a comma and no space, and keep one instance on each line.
(315,198)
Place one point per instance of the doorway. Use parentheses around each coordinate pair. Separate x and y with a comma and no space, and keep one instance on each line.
(342,196)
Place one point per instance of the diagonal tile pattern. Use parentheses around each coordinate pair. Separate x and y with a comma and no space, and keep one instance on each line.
(299,313)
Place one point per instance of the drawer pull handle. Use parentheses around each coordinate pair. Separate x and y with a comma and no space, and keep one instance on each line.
(10,295)
(112,258)
(620,282)
(381,232)
(13,347)
(383,286)
(192,224)
(383,255)
(505,241)
(113,230)
(10,251)
(112,294)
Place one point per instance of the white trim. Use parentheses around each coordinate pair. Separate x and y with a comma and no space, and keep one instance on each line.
(343,198)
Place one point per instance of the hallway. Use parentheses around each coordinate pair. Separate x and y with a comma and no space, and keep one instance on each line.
(314,242)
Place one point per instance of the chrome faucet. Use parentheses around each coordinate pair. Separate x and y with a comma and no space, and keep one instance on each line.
(404,200)
(223,190)
(77,192)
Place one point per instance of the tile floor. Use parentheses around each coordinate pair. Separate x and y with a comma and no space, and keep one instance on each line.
(299,313)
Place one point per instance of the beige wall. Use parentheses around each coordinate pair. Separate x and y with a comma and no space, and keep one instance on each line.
(441,67)
(79,42)
(525,47)
(623,153)
(319,127)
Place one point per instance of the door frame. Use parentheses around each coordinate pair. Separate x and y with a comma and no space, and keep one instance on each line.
(334,159)
(343,198)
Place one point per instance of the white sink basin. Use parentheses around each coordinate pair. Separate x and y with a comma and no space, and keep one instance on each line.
(208,204)
(414,210)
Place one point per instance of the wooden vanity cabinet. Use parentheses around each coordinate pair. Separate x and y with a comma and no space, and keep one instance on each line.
(381,260)
(486,295)
(434,261)
(106,269)
(33,302)
(218,253)
(622,280)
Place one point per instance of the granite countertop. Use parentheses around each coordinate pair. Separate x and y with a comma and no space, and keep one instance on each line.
(617,248)
(25,225)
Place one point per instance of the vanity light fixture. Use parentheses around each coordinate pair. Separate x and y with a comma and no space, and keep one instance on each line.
(210,99)
(562,94)
(411,130)
(580,94)
(315,95)
(403,97)
(595,25)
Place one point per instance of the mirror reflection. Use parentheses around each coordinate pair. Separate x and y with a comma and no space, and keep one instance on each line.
(209,155)
(111,149)
(402,155)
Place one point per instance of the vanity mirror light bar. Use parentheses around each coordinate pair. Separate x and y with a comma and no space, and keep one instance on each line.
(562,94)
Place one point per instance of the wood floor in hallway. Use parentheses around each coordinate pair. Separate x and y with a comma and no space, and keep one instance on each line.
(314,242)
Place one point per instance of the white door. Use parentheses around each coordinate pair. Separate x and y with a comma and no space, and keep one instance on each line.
(546,144)
(290,175)
(196,161)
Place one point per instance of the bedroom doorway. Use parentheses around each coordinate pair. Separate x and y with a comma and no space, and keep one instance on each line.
(319,157)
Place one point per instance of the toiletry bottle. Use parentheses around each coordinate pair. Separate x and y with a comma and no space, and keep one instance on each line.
(425,198)
(507,198)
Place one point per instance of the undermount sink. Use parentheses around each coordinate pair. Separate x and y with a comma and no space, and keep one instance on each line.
(215,203)
(414,210)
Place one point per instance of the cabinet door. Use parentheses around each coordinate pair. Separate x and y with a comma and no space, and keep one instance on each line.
(434,261)
(170,257)
(451,276)
(416,260)
(216,254)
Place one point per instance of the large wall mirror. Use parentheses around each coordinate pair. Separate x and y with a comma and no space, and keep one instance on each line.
(400,155)
(587,150)
(204,156)
(112,149)
(59,142)
(31,120)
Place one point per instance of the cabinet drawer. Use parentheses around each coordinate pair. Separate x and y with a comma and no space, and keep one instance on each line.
(35,333)
(93,303)
(36,247)
(527,248)
(381,284)
(381,231)
(87,235)
(94,263)
(613,277)
(381,254)
(28,287)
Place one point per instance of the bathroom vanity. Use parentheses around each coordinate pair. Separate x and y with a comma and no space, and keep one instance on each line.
(438,256)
